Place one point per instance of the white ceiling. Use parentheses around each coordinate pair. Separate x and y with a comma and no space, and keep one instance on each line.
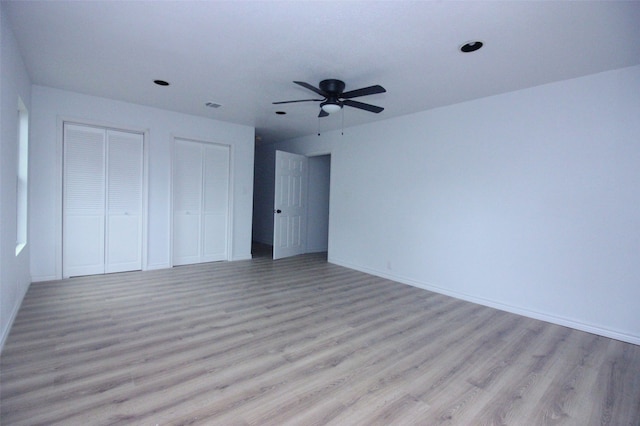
(246,54)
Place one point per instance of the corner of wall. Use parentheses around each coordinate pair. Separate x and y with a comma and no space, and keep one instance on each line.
(14,313)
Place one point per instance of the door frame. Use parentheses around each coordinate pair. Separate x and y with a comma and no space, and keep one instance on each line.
(309,192)
(270,212)
(230,190)
(61,120)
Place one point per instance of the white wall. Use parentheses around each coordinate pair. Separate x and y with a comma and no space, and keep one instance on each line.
(14,270)
(51,106)
(527,201)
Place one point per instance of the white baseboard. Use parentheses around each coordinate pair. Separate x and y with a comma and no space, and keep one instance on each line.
(157,266)
(41,278)
(242,257)
(316,249)
(12,318)
(554,319)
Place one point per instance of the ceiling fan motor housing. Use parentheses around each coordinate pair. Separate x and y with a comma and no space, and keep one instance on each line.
(332,86)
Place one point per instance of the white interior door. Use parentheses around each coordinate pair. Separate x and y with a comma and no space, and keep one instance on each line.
(215,202)
(187,200)
(83,205)
(200,202)
(123,228)
(289,212)
(102,200)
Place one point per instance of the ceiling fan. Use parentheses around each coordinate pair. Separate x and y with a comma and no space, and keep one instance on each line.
(334,97)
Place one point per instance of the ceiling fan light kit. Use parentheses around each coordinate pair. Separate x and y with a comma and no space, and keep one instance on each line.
(335,97)
(330,107)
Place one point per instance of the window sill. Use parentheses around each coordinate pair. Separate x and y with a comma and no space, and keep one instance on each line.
(19,248)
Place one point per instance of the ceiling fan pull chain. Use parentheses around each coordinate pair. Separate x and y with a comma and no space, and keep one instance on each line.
(342,132)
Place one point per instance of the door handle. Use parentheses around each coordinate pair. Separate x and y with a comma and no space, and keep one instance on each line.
(277,211)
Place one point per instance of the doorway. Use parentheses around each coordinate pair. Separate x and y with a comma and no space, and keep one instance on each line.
(318,203)
(102,200)
(300,204)
(200,202)
(317,200)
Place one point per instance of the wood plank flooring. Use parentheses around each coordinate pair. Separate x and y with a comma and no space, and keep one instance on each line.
(298,342)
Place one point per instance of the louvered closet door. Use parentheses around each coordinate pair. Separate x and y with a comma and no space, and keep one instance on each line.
(200,202)
(123,245)
(83,200)
(102,201)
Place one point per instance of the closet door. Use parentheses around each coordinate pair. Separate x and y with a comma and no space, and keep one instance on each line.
(83,200)
(215,202)
(102,201)
(200,202)
(187,202)
(123,227)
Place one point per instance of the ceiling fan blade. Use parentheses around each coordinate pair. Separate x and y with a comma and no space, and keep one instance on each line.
(310,87)
(301,100)
(323,113)
(371,90)
(366,107)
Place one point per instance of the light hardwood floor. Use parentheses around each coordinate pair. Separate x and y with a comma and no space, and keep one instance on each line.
(298,342)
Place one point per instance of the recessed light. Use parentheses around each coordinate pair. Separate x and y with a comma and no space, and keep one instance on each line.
(471,46)
(161,82)
(280,112)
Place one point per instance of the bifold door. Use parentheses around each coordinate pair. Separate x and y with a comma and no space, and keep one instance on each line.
(200,202)
(102,200)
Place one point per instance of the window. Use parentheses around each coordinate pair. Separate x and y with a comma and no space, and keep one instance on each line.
(22,192)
